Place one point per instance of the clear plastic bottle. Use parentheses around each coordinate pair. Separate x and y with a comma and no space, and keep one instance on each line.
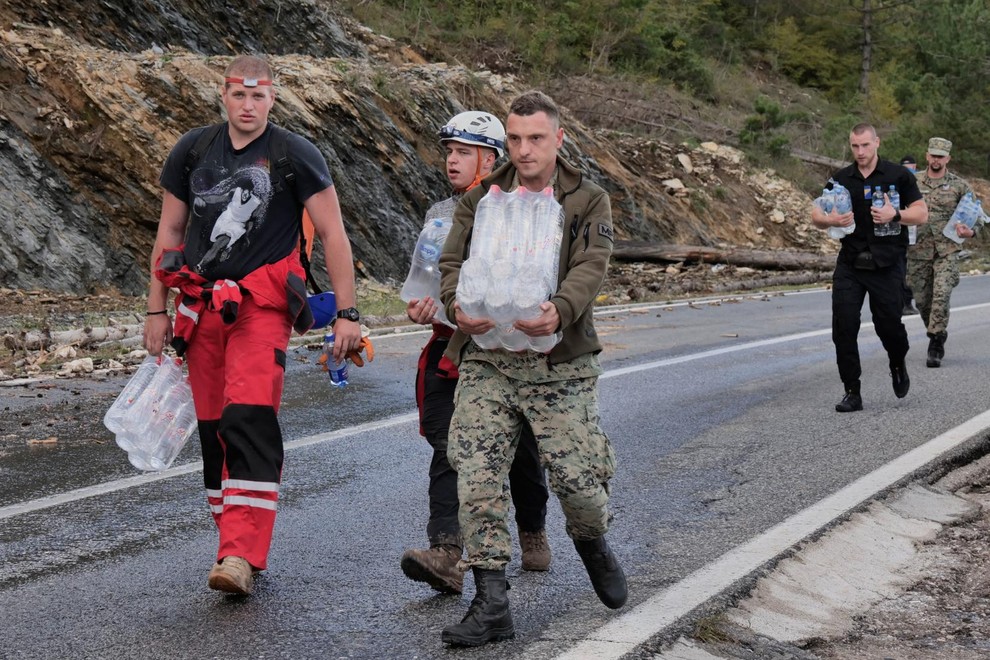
(137,419)
(135,387)
(842,204)
(884,228)
(472,285)
(424,272)
(336,369)
(843,200)
(168,431)
(894,197)
(529,295)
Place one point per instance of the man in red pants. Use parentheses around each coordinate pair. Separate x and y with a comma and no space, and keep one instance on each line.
(240,300)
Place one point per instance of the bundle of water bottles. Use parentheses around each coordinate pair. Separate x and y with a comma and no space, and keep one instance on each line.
(968,212)
(837,198)
(512,268)
(154,414)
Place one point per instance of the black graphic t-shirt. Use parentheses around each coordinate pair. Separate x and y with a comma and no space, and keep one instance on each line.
(237,220)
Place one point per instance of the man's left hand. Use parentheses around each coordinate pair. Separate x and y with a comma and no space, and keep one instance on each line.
(883,214)
(963,231)
(543,325)
(346,337)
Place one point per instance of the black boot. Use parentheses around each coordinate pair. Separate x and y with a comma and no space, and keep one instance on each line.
(851,402)
(488,618)
(899,378)
(936,351)
(604,570)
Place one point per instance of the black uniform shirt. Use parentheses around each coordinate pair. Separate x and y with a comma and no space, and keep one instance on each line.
(886,250)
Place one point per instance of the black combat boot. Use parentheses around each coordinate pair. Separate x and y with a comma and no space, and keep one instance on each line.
(488,619)
(899,378)
(936,351)
(852,401)
(604,570)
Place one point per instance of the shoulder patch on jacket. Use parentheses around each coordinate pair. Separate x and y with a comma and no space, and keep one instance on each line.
(606,231)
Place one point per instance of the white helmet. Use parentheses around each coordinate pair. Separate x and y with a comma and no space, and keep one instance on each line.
(474,127)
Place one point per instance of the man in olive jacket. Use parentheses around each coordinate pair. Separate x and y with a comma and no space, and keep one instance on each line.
(556,393)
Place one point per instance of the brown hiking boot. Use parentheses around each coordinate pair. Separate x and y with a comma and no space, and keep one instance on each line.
(437,567)
(232,575)
(535,550)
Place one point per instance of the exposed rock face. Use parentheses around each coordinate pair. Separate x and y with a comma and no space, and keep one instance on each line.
(96,93)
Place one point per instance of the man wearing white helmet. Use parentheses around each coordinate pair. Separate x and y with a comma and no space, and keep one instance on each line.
(473,141)
(554,393)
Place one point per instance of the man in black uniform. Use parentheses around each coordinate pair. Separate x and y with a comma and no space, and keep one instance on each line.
(871,260)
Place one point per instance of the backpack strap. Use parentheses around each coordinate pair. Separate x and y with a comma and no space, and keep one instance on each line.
(199,148)
(285,179)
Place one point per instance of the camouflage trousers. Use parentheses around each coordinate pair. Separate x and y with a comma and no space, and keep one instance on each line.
(563,415)
(932,281)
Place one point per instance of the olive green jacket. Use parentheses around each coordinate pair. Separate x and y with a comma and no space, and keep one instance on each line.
(584,254)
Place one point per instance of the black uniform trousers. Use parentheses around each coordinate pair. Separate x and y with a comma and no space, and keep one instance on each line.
(527,480)
(849,289)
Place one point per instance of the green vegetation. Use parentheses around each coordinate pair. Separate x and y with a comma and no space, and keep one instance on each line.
(794,73)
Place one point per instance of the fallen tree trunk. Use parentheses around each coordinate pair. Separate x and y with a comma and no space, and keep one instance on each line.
(33,340)
(762,259)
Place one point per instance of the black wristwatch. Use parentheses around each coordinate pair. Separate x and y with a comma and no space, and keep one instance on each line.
(351,314)
(897,216)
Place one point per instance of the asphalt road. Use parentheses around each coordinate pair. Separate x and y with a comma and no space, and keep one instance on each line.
(721,413)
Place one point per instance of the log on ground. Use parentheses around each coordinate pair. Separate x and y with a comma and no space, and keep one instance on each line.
(762,259)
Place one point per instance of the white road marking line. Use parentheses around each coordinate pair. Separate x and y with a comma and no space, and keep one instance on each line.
(21,508)
(622,634)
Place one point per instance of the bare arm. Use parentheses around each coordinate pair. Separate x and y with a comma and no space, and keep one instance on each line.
(324,209)
(915,214)
(824,220)
(171,231)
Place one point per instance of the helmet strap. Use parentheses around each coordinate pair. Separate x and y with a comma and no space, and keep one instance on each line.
(477,170)
(477,174)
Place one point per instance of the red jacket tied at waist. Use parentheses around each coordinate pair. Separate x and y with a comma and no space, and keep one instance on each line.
(280,285)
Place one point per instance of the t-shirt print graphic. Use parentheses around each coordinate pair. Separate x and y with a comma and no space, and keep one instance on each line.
(244,213)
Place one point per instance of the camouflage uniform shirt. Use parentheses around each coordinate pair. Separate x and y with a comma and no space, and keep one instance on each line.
(941,195)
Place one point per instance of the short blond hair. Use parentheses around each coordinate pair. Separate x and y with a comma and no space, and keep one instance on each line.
(249,66)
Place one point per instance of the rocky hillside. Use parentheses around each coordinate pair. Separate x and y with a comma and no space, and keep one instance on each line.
(96,93)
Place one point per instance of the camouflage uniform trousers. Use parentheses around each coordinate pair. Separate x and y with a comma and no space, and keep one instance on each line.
(563,414)
(932,281)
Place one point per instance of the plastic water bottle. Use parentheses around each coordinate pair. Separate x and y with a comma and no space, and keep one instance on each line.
(174,422)
(424,273)
(894,196)
(883,229)
(336,369)
(843,200)
(841,204)
(826,201)
(142,428)
(138,418)
(472,286)
(135,387)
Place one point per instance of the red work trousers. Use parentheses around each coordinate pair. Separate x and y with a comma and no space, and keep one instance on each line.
(236,372)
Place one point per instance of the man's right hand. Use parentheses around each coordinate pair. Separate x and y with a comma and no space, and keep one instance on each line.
(157,333)
(470,325)
(421,310)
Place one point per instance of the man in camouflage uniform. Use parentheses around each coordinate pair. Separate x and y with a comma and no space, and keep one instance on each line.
(556,392)
(933,270)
